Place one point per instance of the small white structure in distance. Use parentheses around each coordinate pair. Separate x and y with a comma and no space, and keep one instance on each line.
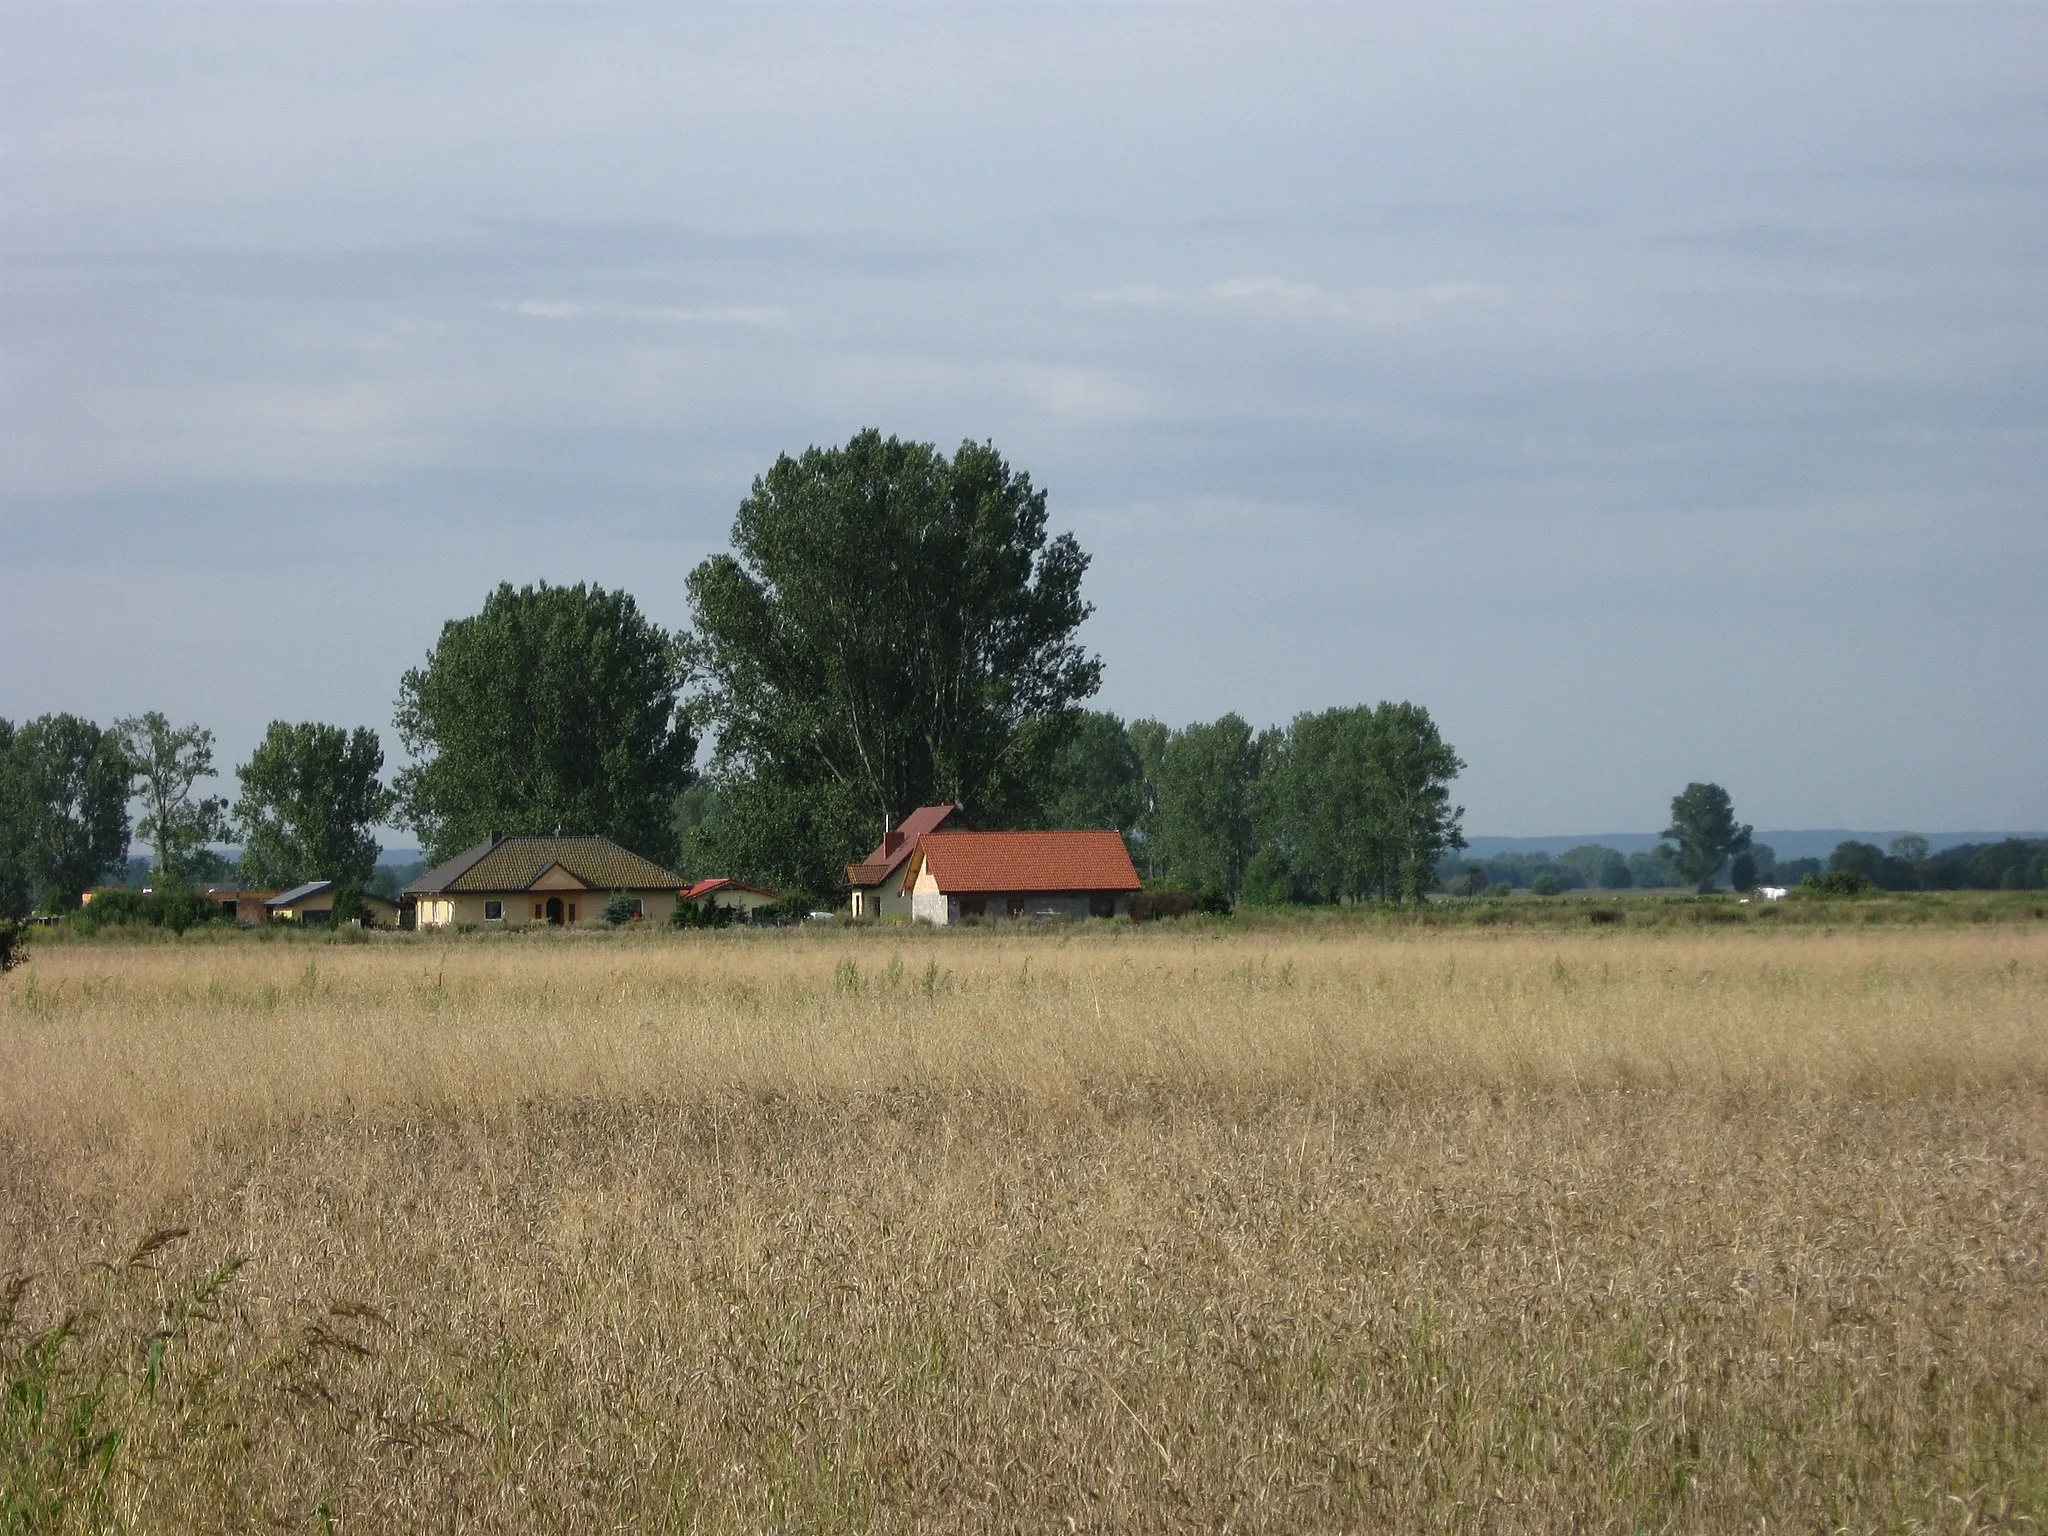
(1771,892)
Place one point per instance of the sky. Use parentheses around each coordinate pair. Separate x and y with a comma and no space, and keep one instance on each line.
(1655,392)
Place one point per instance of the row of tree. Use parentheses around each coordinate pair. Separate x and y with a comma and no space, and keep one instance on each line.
(892,627)
(309,805)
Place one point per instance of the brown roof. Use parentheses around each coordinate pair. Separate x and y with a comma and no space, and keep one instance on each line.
(1026,861)
(514,863)
(898,845)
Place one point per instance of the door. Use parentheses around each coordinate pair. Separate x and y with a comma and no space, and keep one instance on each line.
(555,910)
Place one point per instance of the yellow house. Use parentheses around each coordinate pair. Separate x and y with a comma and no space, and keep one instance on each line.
(312,905)
(517,882)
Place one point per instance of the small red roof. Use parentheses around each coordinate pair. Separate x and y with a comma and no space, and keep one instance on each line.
(898,845)
(705,888)
(1026,861)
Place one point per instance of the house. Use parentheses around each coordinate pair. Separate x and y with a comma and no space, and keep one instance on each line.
(953,876)
(312,905)
(517,882)
(876,893)
(734,895)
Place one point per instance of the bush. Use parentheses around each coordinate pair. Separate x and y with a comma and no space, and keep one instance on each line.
(1548,884)
(176,910)
(620,909)
(1836,882)
(700,914)
(13,944)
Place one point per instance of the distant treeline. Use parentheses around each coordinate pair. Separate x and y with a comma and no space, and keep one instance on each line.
(2014,864)
(1346,804)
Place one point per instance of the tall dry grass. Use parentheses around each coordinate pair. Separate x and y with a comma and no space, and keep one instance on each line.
(1106,1231)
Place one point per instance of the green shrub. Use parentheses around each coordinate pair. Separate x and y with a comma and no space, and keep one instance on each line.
(1836,882)
(13,944)
(176,910)
(1548,884)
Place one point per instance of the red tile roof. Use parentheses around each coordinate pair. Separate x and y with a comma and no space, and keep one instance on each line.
(705,888)
(892,850)
(1026,861)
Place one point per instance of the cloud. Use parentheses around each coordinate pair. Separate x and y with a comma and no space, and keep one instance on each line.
(717,314)
(1374,308)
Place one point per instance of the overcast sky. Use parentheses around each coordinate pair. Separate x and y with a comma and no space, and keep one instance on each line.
(1654,392)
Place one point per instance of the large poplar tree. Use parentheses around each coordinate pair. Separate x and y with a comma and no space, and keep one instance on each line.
(67,787)
(892,628)
(554,708)
(310,800)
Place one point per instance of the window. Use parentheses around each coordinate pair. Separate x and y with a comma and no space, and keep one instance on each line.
(974,906)
(572,911)
(1016,906)
(1101,904)
(494,911)
(539,911)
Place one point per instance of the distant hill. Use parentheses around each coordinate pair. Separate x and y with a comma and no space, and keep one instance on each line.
(401,856)
(1786,843)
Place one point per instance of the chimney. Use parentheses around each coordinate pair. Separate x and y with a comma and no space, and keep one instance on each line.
(892,841)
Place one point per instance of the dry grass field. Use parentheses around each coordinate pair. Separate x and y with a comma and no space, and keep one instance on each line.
(1331,1230)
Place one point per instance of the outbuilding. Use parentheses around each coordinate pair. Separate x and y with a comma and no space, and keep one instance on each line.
(954,876)
(312,906)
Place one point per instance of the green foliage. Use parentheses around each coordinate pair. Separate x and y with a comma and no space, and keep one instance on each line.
(167,761)
(555,707)
(64,790)
(1096,778)
(620,909)
(1549,883)
(700,914)
(893,628)
(387,880)
(349,906)
(702,815)
(17,893)
(1704,827)
(1596,867)
(1836,882)
(13,943)
(1361,799)
(176,908)
(1742,872)
(310,795)
(1206,794)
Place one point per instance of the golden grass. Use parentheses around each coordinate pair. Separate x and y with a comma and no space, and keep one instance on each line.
(1110,1230)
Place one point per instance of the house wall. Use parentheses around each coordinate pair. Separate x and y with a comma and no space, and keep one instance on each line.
(886,899)
(466,908)
(935,906)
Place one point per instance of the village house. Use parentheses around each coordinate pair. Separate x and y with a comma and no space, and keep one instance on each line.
(876,891)
(312,905)
(516,882)
(954,876)
(733,895)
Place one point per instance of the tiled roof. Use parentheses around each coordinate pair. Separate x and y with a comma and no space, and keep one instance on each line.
(514,863)
(892,850)
(1027,861)
(299,893)
(705,888)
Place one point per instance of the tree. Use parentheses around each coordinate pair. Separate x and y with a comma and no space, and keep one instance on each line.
(1596,865)
(1742,871)
(310,797)
(553,708)
(1361,800)
(68,785)
(892,628)
(1704,828)
(17,894)
(166,762)
(1096,779)
(1206,784)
